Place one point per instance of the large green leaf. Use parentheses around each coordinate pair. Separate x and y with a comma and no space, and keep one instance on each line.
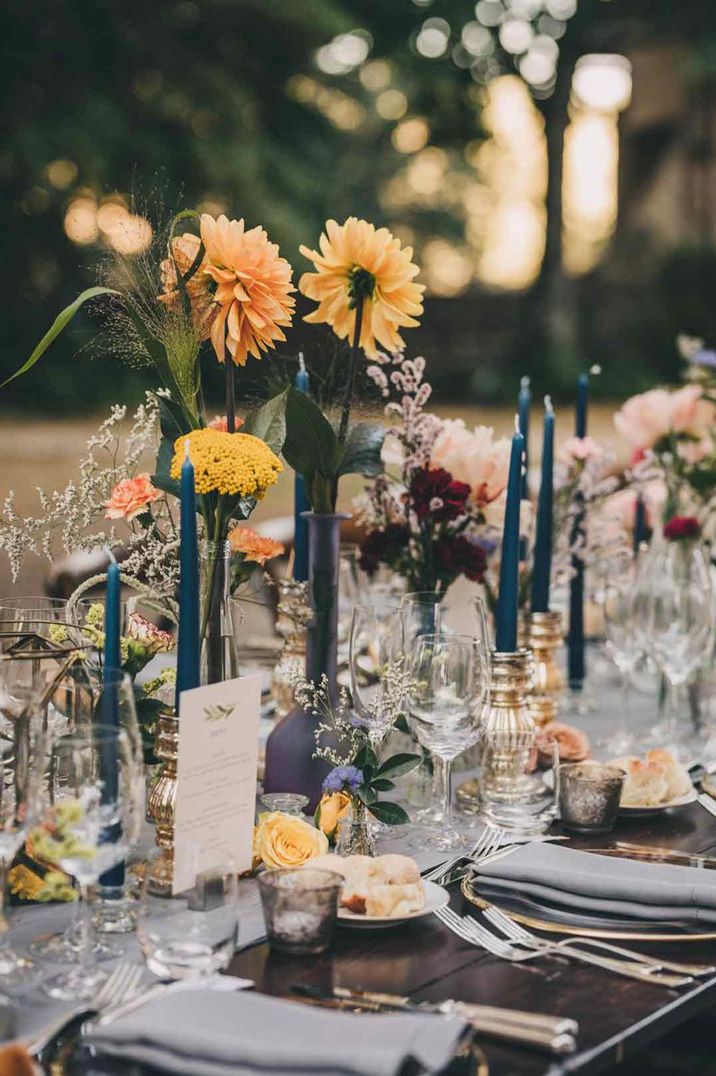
(361,453)
(162,478)
(58,325)
(398,765)
(172,420)
(392,814)
(311,444)
(269,421)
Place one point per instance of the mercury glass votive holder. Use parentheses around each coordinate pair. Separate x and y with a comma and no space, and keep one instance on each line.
(291,803)
(589,795)
(300,908)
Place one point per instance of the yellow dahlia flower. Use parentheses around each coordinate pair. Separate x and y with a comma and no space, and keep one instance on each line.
(253,288)
(358,258)
(229,463)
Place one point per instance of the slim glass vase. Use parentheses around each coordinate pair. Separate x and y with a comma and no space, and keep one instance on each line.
(290,765)
(218,646)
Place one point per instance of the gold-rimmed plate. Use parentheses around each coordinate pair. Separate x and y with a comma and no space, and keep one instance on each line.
(562,921)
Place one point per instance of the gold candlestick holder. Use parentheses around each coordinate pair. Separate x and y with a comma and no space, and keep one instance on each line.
(162,800)
(544,636)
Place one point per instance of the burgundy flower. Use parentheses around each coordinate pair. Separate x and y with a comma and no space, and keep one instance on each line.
(436,493)
(460,556)
(682,527)
(382,546)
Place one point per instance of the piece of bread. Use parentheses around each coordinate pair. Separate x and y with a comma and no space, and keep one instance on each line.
(392,901)
(645,785)
(625,762)
(678,782)
(394,869)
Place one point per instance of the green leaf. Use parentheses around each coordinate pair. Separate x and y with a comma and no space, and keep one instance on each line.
(392,814)
(311,446)
(367,794)
(58,325)
(162,478)
(398,765)
(172,420)
(269,421)
(361,453)
(380,784)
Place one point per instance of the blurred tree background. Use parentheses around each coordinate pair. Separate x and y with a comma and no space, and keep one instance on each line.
(552,161)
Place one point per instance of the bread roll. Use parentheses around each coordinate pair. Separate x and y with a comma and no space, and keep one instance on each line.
(678,782)
(645,785)
(395,869)
(392,901)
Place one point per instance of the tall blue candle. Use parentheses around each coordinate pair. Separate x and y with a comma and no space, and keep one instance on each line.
(575,636)
(580,424)
(524,402)
(508,600)
(112,626)
(112,881)
(300,500)
(640,528)
(542,569)
(188,644)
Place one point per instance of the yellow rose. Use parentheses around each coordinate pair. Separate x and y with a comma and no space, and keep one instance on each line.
(332,809)
(288,841)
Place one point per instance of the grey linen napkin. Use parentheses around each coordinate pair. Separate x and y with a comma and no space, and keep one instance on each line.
(621,887)
(197,1033)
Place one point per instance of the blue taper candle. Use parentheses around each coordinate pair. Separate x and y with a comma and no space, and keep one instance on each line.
(580,424)
(524,402)
(640,527)
(507,600)
(188,644)
(112,625)
(542,569)
(112,881)
(301,503)
(575,636)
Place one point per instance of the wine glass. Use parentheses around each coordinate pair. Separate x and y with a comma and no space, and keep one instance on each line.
(679,625)
(376,645)
(624,645)
(35,615)
(23,744)
(444,694)
(90,827)
(424,613)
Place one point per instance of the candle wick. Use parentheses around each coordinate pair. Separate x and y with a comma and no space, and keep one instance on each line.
(301,362)
(524,382)
(548,405)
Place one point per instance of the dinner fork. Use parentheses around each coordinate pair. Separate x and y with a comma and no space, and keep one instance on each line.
(122,983)
(517,933)
(487,843)
(472,932)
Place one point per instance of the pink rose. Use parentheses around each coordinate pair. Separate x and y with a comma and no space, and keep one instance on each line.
(645,419)
(473,457)
(579,449)
(130,497)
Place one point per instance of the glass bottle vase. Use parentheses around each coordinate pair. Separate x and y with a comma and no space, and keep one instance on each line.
(218,660)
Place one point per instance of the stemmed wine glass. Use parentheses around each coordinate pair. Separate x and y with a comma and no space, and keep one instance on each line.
(88,827)
(23,745)
(624,645)
(447,685)
(376,645)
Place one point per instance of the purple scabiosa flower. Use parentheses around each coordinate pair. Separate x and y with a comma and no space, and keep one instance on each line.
(343,779)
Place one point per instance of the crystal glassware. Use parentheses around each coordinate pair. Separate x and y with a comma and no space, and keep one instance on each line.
(190,934)
(292,803)
(589,795)
(445,698)
(300,908)
(376,645)
(625,647)
(90,821)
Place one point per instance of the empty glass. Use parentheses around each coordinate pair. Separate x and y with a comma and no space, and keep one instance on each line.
(625,647)
(193,933)
(447,686)
(376,645)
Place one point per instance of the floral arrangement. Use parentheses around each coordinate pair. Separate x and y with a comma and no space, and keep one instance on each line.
(357,777)
(436,513)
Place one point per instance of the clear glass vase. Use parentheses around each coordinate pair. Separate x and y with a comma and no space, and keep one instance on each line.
(354,837)
(218,645)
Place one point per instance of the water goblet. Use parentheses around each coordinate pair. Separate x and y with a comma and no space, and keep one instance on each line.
(625,647)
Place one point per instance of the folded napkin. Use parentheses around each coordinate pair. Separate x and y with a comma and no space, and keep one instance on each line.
(197,1033)
(593,883)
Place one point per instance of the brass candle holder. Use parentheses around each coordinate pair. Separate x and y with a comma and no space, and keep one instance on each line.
(162,800)
(544,636)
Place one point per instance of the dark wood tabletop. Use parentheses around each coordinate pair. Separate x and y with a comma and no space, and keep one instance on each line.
(617,1016)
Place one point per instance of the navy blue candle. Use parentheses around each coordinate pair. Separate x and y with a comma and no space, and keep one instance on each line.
(301,503)
(507,600)
(542,568)
(188,643)
(575,636)
(580,424)
(524,402)
(640,529)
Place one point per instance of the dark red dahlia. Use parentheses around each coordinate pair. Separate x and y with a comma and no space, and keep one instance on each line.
(682,527)
(382,546)
(460,556)
(437,494)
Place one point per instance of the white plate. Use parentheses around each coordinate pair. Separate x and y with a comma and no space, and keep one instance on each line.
(435,897)
(678,801)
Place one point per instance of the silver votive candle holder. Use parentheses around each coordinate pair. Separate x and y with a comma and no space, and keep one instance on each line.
(300,908)
(291,803)
(589,795)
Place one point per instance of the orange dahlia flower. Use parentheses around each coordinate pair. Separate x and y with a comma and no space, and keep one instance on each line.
(130,497)
(253,546)
(253,288)
(358,258)
(184,249)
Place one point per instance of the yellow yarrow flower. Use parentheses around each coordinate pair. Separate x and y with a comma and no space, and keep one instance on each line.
(228,463)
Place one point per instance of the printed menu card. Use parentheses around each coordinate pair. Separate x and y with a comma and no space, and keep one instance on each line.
(216,778)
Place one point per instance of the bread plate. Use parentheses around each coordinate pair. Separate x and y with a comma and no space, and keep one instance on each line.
(655,808)
(435,897)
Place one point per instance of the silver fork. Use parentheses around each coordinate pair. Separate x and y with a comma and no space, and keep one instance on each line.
(518,933)
(488,842)
(472,932)
(122,983)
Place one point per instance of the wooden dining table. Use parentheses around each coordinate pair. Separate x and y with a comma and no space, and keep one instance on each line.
(617,1017)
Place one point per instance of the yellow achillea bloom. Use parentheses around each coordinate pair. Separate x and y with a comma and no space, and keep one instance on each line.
(227,463)
(24,883)
(358,258)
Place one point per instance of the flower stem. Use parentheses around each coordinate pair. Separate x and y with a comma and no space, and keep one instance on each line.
(355,350)
(230,400)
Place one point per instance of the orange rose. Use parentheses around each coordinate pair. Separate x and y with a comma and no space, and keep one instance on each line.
(130,497)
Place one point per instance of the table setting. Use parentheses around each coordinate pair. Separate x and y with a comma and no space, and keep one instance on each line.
(463,821)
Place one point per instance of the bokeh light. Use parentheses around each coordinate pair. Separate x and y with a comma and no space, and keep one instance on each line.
(603,82)
(411,135)
(433,38)
(344,53)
